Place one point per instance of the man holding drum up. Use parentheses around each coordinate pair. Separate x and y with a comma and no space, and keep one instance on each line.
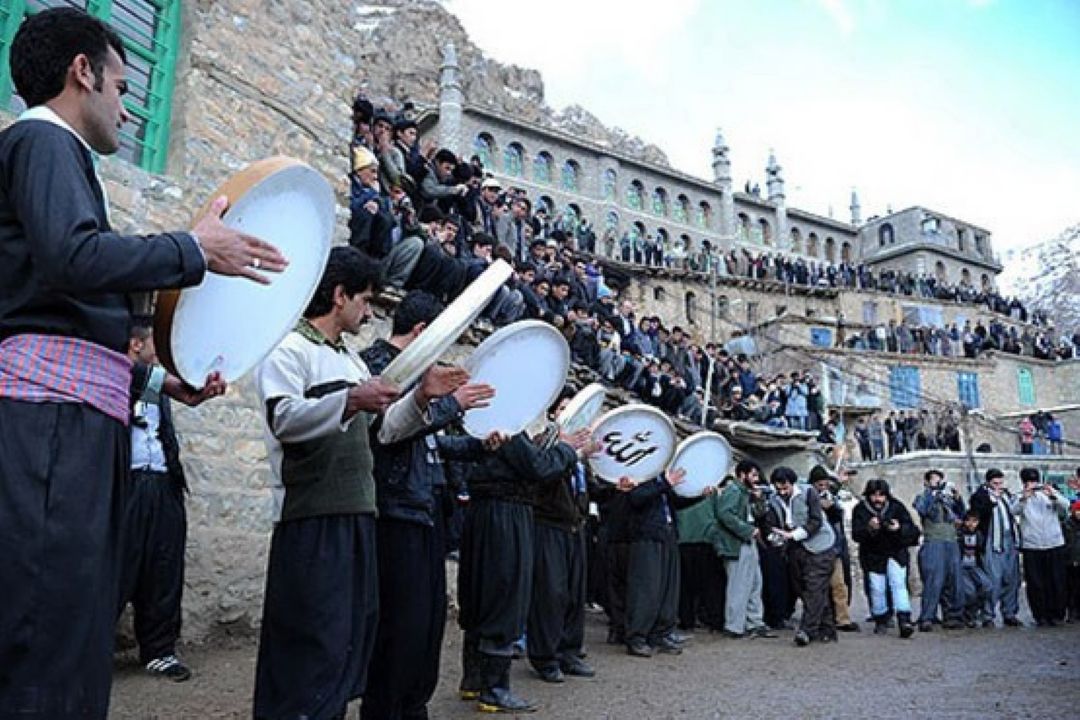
(65,383)
(494,575)
(321,605)
(410,532)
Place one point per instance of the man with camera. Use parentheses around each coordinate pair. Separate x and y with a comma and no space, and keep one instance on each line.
(996,508)
(1042,510)
(940,508)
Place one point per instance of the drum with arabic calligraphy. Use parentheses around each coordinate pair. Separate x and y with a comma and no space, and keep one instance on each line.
(636,441)
(706,458)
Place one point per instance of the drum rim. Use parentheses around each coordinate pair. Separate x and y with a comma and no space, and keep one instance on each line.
(637,407)
(234,187)
(460,318)
(694,439)
(580,400)
(499,336)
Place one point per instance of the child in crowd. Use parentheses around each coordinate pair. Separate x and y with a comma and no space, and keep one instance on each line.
(974,583)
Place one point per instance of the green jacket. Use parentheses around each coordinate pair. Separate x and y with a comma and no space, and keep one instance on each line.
(733,528)
(697,523)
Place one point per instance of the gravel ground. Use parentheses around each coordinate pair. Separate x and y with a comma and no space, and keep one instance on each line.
(985,673)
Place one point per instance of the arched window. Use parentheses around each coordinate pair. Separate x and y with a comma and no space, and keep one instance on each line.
(635,195)
(796,241)
(885,235)
(659,293)
(687,243)
(571,217)
(845,252)
(514,160)
(570,173)
(484,148)
(637,231)
(766,231)
(704,215)
(744,232)
(542,165)
(612,220)
(986,284)
(691,306)
(965,276)
(812,248)
(682,209)
(660,202)
(547,203)
(610,182)
(940,272)
(663,240)
(830,249)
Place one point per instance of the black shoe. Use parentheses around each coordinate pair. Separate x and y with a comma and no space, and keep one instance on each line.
(732,635)
(1013,622)
(501,700)
(850,627)
(925,626)
(762,632)
(550,674)
(615,637)
(801,638)
(906,629)
(577,667)
(639,648)
(666,647)
(169,666)
(881,627)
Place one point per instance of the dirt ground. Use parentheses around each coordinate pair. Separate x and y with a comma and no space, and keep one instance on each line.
(970,674)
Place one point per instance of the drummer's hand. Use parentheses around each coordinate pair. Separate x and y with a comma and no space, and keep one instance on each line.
(577,440)
(676,476)
(373,396)
(625,484)
(233,253)
(476,395)
(180,391)
(440,381)
(495,440)
(709,490)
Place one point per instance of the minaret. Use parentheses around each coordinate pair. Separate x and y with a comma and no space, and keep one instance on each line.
(451,100)
(774,183)
(856,209)
(721,165)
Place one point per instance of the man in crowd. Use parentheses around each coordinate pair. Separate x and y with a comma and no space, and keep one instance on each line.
(996,508)
(1042,510)
(66,288)
(797,521)
(741,504)
(321,604)
(840,581)
(410,531)
(974,582)
(940,508)
(884,530)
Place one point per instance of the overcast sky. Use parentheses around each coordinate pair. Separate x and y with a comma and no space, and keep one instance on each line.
(969,107)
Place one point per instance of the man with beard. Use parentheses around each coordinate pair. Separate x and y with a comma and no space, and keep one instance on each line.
(797,522)
(941,509)
(883,528)
(997,508)
(494,575)
(321,603)
(410,531)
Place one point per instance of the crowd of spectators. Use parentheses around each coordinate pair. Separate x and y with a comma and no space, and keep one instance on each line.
(881,436)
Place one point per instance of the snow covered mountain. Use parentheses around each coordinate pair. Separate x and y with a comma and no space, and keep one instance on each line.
(1046,277)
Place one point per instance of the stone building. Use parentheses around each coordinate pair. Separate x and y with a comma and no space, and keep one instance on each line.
(219,83)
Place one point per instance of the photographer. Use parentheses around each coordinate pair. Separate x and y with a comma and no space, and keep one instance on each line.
(940,509)
(827,486)
(1042,510)
(884,530)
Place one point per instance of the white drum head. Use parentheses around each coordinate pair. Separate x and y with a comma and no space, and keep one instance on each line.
(583,408)
(444,331)
(229,324)
(526,362)
(706,458)
(636,441)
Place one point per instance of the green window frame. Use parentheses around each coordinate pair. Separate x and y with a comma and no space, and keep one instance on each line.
(1025,386)
(150,30)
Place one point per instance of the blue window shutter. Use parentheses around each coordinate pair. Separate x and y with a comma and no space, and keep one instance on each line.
(821,337)
(968,389)
(1025,386)
(905,387)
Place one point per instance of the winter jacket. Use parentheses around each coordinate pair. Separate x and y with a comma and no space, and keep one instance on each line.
(877,547)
